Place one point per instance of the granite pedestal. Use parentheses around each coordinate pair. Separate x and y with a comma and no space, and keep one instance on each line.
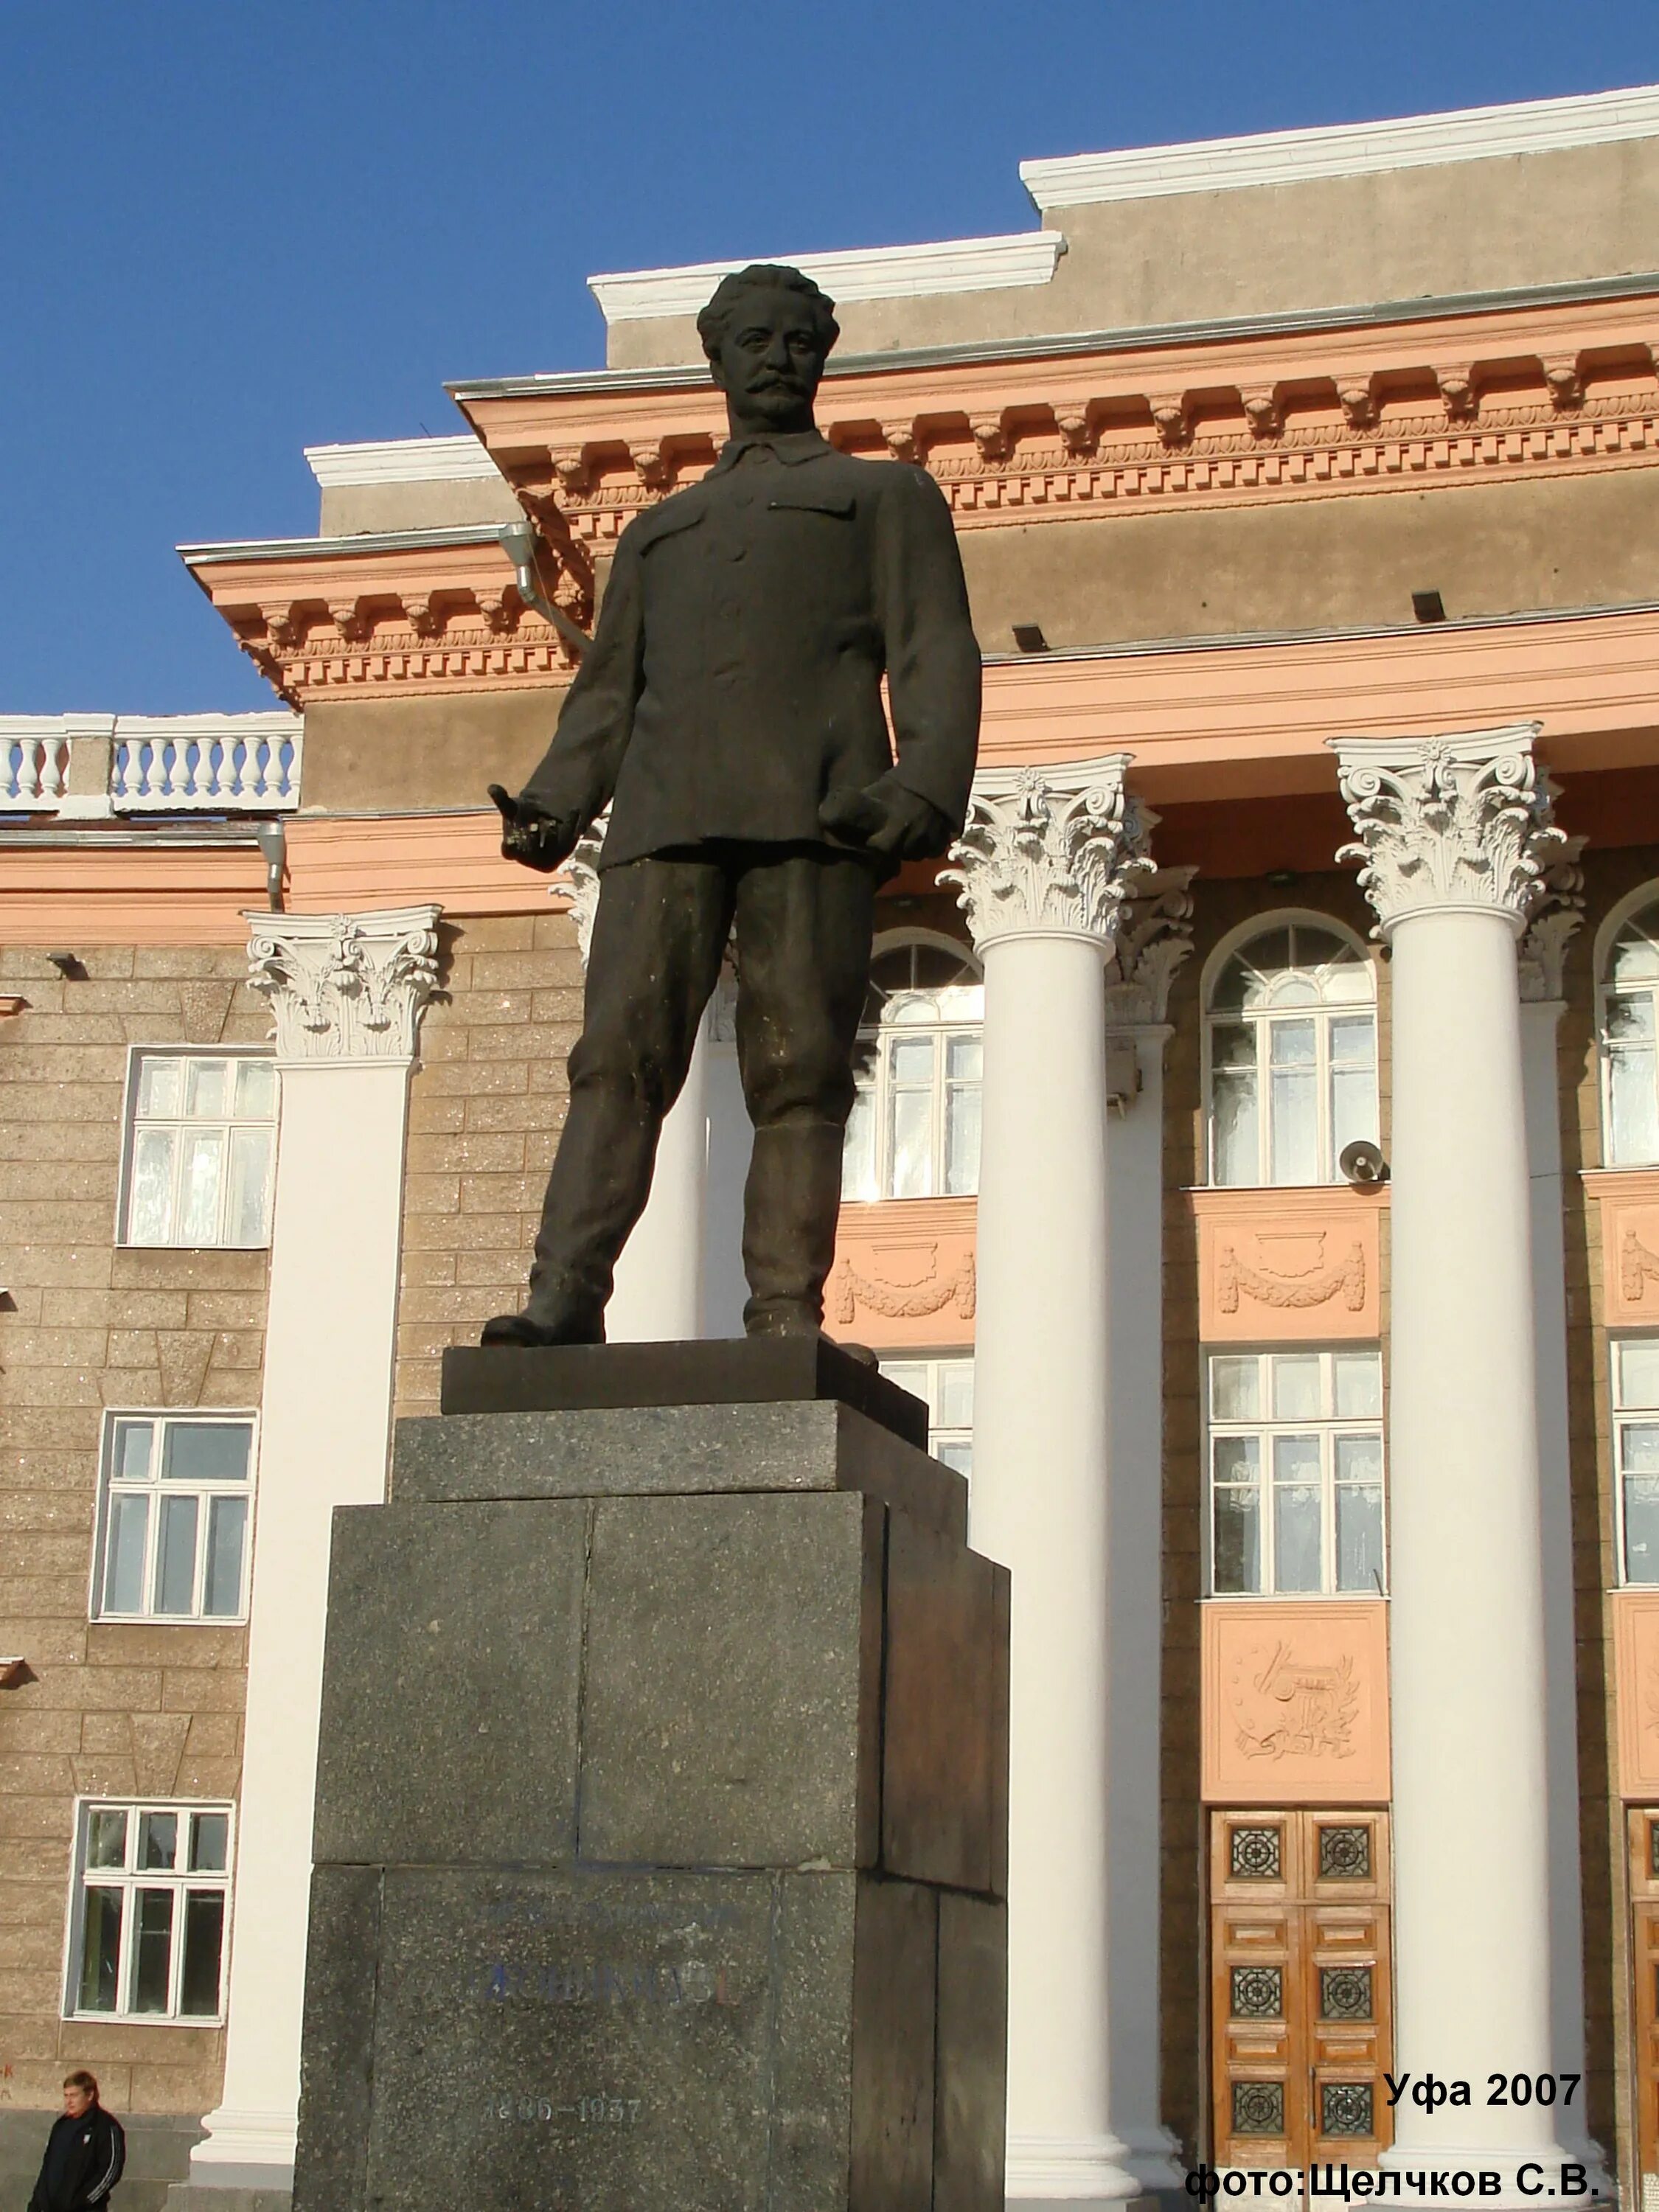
(661,1808)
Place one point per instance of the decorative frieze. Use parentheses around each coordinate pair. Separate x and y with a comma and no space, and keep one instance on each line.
(1051,852)
(1449,822)
(345,987)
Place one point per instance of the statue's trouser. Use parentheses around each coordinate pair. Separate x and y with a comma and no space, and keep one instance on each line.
(804,915)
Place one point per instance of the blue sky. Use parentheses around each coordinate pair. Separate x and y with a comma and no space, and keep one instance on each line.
(230,231)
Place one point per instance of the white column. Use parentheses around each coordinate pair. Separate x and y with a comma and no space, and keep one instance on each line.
(1542,955)
(658,1299)
(1153,938)
(659,1296)
(346,991)
(1046,863)
(731,1142)
(1455,837)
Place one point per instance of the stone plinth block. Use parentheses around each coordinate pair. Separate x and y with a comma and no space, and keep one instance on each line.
(661,1807)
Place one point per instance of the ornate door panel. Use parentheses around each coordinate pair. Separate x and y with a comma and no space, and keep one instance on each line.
(1644,1969)
(1301,2025)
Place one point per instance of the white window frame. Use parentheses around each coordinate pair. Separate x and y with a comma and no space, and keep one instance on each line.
(1327,1426)
(1620,1418)
(137,1056)
(939,1433)
(1321,1012)
(879,1090)
(130,1879)
(194,1416)
(1642,900)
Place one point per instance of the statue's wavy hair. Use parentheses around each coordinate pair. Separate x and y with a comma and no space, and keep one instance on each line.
(716,318)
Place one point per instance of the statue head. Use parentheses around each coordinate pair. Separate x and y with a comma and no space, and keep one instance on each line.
(768,331)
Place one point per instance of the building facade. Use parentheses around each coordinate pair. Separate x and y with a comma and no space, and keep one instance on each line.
(1256,1166)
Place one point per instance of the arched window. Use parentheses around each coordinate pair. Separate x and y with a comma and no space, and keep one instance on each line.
(1292,1040)
(1629,1016)
(914,1130)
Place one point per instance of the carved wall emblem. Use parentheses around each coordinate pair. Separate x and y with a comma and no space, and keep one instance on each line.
(1285,1705)
(1294,1701)
(1637,1267)
(1636,1673)
(1627,1199)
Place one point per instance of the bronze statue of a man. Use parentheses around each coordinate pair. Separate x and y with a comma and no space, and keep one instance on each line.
(729,710)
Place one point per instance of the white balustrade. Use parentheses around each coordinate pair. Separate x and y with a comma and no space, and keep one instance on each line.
(34,765)
(90,767)
(205,763)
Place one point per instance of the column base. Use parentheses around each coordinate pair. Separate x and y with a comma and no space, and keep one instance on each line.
(244,2150)
(1069,2173)
(1154,2156)
(1527,2178)
(197,2197)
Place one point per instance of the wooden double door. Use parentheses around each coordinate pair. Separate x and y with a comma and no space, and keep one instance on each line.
(1645,1967)
(1301,2011)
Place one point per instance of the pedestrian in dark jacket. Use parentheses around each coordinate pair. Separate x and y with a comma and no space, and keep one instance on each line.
(85,2153)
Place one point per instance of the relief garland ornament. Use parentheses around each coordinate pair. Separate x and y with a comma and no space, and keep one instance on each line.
(1291,1294)
(1450,822)
(849,1290)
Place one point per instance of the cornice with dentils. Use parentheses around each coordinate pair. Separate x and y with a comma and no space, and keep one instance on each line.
(1562,379)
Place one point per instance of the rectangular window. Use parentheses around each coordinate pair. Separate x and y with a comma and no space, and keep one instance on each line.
(174,1501)
(1295,1446)
(201,1148)
(945,1386)
(1636,1454)
(146,1919)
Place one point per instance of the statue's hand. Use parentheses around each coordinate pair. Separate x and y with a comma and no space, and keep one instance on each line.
(887,819)
(532,837)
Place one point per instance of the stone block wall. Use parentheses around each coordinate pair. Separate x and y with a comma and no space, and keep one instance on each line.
(132,1710)
(486,1106)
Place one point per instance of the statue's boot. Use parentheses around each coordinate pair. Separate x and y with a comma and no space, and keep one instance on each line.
(528,1328)
(791,1205)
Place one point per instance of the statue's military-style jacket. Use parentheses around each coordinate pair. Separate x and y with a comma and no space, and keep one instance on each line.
(735,674)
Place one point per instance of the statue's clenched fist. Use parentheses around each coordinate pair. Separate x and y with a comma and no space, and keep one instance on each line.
(534,839)
(887,819)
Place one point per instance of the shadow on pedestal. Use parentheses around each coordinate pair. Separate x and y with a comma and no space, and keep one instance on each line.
(661,1816)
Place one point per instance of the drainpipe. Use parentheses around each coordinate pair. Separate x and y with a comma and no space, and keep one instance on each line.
(518,543)
(273,843)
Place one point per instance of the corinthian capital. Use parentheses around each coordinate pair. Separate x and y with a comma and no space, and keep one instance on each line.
(1154,936)
(1449,822)
(1051,852)
(345,987)
(580,883)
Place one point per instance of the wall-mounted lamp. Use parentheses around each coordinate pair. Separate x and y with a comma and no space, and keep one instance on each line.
(1029,637)
(1428,607)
